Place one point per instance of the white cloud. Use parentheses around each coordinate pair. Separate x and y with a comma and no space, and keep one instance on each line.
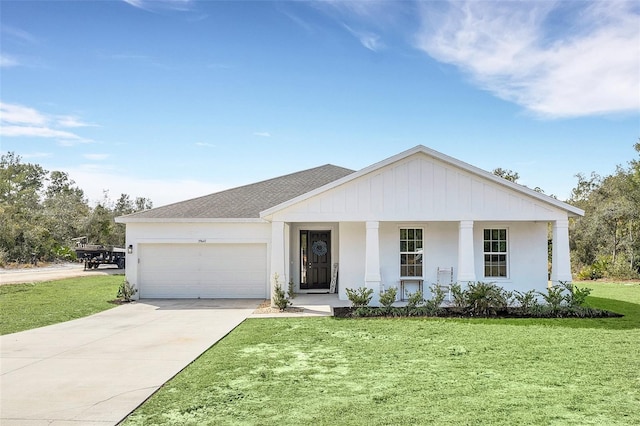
(72,121)
(205,144)
(18,114)
(556,59)
(156,5)
(21,121)
(7,61)
(96,157)
(262,134)
(368,39)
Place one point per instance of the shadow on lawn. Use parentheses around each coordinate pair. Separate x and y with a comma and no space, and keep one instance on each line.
(630,320)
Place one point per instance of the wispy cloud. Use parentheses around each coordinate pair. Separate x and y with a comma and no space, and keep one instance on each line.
(556,59)
(7,61)
(21,121)
(262,134)
(96,157)
(19,34)
(159,5)
(368,39)
(205,144)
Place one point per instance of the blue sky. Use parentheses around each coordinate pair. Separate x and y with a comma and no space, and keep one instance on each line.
(176,99)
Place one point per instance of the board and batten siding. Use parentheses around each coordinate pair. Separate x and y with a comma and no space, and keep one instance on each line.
(420,188)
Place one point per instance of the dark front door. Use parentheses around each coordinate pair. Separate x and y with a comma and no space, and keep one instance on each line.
(315,260)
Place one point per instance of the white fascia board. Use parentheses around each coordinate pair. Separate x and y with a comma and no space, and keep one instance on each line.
(125,219)
(573,211)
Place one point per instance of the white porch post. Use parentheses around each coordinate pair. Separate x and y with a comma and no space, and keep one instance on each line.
(277,257)
(372,261)
(560,260)
(466,260)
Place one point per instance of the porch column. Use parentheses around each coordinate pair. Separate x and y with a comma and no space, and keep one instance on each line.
(277,257)
(560,260)
(372,261)
(466,256)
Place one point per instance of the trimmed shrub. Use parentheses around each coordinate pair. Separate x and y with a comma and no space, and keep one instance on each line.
(359,297)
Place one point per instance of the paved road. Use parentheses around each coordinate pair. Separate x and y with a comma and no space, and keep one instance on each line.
(96,370)
(54,272)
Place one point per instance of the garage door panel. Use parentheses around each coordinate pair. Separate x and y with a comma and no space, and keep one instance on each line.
(203,270)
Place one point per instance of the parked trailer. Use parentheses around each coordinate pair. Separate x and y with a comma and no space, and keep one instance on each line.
(95,255)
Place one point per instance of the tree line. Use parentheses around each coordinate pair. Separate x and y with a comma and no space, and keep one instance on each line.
(41,212)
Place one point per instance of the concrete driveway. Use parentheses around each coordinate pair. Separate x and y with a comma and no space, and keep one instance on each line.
(96,370)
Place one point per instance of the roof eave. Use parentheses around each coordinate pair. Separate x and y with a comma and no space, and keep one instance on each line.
(125,219)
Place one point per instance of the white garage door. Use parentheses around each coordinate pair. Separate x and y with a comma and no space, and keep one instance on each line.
(203,270)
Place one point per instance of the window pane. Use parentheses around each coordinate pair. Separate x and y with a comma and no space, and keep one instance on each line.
(403,234)
(403,246)
(411,246)
(418,234)
(503,234)
(495,246)
(503,246)
(411,234)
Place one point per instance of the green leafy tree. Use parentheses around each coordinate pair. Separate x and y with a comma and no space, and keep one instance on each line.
(507,174)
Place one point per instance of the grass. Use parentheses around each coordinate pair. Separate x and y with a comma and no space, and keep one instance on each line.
(327,371)
(27,306)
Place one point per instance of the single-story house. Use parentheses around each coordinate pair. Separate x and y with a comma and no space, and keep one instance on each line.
(414,219)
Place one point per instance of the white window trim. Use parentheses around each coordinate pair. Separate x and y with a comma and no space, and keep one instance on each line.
(508,254)
(400,253)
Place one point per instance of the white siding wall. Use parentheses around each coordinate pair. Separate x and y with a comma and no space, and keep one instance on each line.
(527,253)
(191,233)
(352,257)
(419,188)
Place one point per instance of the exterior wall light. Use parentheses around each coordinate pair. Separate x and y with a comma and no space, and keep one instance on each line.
(130,249)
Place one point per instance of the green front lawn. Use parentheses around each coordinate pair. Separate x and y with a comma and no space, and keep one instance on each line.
(326,371)
(27,306)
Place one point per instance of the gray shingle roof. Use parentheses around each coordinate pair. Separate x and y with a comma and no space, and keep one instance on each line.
(249,200)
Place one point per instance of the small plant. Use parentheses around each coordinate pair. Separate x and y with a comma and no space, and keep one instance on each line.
(126,291)
(360,296)
(291,291)
(526,300)
(459,296)
(388,297)
(575,296)
(414,300)
(432,306)
(553,297)
(485,298)
(280,299)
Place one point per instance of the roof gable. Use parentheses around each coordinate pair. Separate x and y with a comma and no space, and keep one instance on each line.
(421,184)
(244,202)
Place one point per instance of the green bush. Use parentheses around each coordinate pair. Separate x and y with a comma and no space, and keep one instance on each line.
(526,300)
(360,297)
(432,306)
(459,296)
(280,299)
(553,297)
(485,299)
(575,296)
(126,291)
(388,297)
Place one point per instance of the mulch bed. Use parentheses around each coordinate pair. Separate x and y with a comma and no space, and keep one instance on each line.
(455,312)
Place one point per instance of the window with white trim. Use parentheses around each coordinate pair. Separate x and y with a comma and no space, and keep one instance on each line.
(411,252)
(495,253)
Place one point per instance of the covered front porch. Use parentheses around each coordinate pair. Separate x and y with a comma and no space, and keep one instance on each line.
(328,257)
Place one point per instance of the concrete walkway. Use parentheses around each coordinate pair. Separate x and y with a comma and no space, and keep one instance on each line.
(96,370)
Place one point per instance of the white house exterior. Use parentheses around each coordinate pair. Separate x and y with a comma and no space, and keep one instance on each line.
(397,221)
